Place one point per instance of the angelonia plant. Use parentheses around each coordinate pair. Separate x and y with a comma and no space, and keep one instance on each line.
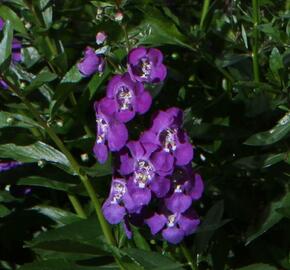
(153,178)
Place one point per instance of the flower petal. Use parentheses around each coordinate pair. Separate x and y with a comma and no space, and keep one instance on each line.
(160,186)
(173,235)
(113,86)
(188,225)
(178,202)
(155,56)
(117,136)
(158,74)
(156,223)
(114,213)
(136,54)
(101,152)
(183,154)
(195,187)
(163,162)
(126,164)
(125,115)
(143,102)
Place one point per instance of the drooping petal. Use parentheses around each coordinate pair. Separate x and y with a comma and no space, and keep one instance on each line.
(188,225)
(125,115)
(141,196)
(156,223)
(126,164)
(117,135)
(195,187)
(183,154)
(158,74)
(114,213)
(163,162)
(173,235)
(160,186)
(178,202)
(101,152)
(143,102)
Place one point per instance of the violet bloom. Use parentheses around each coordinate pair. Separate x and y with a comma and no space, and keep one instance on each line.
(8,165)
(16,51)
(174,226)
(186,187)
(3,84)
(118,203)
(101,37)
(166,133)
(145,173)
(146,65)
(127,97)
(91,63)
(110,133)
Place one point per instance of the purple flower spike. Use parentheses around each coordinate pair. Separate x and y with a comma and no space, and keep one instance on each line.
(110,133)
(187,187)
(91,63)
(127,97)
(166,133)
(118,202)
(16,51)
(8,165)
(174,226)
(146,65)
(101,37)
(146,175)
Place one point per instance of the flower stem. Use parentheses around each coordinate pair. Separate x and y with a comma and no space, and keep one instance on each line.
(188,256)
(124,27)
(256,21)
(204,12)
(77,206)
(76,167)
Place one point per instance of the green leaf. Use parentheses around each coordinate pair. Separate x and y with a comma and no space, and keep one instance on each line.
(72,76)
(8,14)
(273,135)
(258,266)
(272,217)
(56,214)
(62,265)
(156,30)
(46,8)
(40,181)
(34,153)
(41,79)
(6,42)
(97,81)
(213,217)
(152,260)
(4,211)
(16,120)
(139,240)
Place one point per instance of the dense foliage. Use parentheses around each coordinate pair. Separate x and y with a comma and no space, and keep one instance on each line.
(227,68)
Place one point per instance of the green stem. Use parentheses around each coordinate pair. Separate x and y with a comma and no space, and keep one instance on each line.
(124,27)
(76,167)
(204,12)
(256,21)
(188,257)
(77,206)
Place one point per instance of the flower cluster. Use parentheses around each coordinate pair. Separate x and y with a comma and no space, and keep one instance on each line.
(16,52)
(154,181)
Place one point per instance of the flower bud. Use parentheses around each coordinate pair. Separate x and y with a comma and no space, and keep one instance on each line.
(101,37)
(119,16)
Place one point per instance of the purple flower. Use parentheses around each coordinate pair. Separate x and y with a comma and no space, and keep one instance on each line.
(16,51)
(174,226)
(111,133)
(145,173)
(8,165)
(3,84)
(146,65)
(127,97)
(101,37)
(186,187)
(118,203)
(91,63)
(166,133)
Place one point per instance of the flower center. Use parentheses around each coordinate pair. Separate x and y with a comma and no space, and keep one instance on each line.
(178,189)
(102,129)
(118,190)
(146,67)
(124,98)
(168,139)
(171,220)
(144,172)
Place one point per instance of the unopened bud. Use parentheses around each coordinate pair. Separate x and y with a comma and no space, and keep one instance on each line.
(101,37)
(119,16)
